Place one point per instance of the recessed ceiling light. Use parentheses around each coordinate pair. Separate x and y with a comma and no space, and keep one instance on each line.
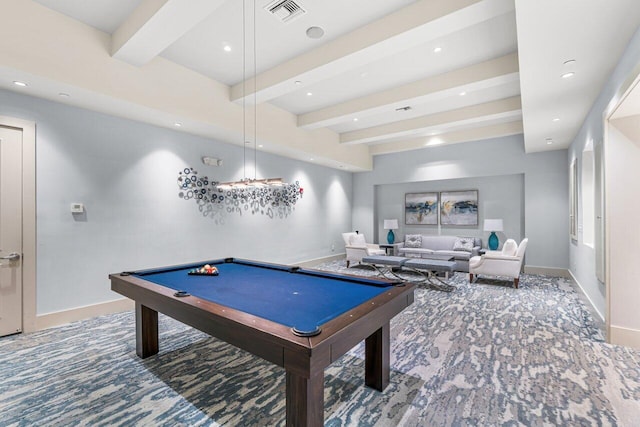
(355,119)
(19,83)
(437,49)
(311,159)
(176,124)
(568,75)
(227,48)
(549,141)
(407,108)
(298,82)
(309,93)
(315,32)
(463,93)
(556,120)
(569,62)
(260,146)
(63,95)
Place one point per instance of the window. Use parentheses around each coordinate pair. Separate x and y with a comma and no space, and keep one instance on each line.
(573,200)
(587,188)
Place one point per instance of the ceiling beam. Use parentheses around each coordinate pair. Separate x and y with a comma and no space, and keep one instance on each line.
(473,113)
(76,62)
(465,135)
(411,26)
(478,76)
(155,25)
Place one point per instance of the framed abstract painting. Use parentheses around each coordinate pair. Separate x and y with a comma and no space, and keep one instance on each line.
(459,207)
(421,209)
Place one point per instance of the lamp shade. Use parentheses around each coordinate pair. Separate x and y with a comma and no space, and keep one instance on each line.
(390,224)
(493,225)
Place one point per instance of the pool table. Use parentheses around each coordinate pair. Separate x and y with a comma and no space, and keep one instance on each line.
(300,319)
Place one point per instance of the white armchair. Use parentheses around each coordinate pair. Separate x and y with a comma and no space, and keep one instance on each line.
(507,262)
(357,247)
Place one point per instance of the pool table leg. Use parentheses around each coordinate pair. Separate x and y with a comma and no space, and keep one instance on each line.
(305,400)
(376,359)
(146,331)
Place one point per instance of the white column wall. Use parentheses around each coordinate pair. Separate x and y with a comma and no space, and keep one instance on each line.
(623,232)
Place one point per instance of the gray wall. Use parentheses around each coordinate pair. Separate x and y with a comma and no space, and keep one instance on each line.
(582,256)
(125,173)
(498,197)
(545,187)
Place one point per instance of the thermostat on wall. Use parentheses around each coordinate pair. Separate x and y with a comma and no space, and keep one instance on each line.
(77,208)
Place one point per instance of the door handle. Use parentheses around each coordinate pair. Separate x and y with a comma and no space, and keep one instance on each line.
(13,256)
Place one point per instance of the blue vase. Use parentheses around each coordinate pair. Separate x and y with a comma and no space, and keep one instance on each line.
(390,237)
(493,241)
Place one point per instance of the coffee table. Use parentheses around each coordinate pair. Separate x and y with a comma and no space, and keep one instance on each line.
(427,267)
(439,257)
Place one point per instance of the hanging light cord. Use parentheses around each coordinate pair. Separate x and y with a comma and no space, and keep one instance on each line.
(255,96)
(244,99)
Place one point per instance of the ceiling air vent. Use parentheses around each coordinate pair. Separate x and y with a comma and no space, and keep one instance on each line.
(285,10)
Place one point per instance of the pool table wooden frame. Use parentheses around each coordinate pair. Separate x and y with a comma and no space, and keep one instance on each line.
(303,358)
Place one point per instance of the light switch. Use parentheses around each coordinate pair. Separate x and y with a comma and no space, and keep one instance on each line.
(77,208)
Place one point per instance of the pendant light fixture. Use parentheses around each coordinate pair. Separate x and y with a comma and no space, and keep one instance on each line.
(249,192)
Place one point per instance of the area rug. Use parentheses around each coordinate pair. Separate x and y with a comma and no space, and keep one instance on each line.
(483,355)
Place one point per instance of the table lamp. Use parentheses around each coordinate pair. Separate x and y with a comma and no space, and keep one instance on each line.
(390,224)
(493,225)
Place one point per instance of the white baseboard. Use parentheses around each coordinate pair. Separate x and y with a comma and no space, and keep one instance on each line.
(58,318)
(547,271)
(314,262)
(624,336)
(584,294)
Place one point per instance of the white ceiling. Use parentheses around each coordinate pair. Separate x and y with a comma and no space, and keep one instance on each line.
(592,33)
(375,57)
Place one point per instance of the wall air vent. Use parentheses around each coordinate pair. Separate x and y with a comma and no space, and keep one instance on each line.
(285,10)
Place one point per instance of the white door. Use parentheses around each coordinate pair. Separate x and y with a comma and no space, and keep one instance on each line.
(10,230)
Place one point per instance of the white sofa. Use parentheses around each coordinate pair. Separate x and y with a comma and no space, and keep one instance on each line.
(441,245)
(357,247)
(507,262)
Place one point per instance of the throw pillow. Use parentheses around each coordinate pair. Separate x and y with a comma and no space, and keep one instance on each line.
(510,247)
(463,244)
(357,240)
(413,241)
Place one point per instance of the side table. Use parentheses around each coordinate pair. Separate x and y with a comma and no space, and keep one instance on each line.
(390,248)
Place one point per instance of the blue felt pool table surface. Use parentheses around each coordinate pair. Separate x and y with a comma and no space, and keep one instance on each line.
(298,298)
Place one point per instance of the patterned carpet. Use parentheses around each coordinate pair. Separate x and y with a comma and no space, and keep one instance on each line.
(482,355)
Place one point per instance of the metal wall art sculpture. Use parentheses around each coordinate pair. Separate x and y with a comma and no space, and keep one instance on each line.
(266,197)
